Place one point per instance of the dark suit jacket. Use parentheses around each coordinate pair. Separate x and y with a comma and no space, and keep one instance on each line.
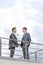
(26,39)
(13,43)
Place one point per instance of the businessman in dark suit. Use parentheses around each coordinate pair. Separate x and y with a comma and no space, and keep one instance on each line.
(25,43)
(13,42)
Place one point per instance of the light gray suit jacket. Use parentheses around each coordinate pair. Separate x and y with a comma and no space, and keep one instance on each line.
(26,39)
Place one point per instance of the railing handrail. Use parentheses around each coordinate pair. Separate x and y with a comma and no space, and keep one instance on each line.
(20,40)
(35,52)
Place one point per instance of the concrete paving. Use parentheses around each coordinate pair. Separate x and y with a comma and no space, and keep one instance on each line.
(17,62)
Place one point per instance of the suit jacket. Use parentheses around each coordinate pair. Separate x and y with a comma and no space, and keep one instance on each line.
(26,39)
(13,43)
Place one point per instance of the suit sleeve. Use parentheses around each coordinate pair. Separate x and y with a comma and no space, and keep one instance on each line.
(21,43)
(29,37)
(14,39)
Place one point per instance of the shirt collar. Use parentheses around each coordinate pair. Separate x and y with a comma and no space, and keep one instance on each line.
(25,32)
(14,33)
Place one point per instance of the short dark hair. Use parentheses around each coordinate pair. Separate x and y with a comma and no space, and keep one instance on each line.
(13,28)
(25,28)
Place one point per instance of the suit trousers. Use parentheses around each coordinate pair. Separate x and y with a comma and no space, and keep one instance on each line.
(25,52)
(12,51)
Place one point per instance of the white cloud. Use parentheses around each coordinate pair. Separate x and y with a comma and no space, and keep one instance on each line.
(34,0)
(32,12)
(16,16)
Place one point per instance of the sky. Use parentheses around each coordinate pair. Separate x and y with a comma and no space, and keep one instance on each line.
(20,13)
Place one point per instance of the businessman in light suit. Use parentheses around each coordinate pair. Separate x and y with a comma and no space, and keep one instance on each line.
(13,42)
(25,43)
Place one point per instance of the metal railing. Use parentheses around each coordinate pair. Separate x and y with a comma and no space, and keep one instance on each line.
(35,52)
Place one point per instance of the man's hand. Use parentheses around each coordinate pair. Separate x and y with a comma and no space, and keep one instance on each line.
(19,44)
(18,34)
(9,47)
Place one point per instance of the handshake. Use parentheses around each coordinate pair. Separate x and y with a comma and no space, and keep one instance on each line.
(12,47)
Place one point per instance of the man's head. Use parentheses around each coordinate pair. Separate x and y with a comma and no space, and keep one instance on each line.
(14,29)
(24,29)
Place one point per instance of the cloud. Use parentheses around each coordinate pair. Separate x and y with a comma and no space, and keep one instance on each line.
(6,3)
(38,33)
(16,13)
(35,1)
(21,13)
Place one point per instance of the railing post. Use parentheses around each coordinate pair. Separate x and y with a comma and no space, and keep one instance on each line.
(35,56)
(0,47)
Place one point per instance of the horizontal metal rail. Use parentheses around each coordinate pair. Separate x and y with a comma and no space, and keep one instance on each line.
(30,53)
(20,41)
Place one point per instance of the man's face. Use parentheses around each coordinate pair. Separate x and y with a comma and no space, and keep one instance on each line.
(15,30)
(23,30)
